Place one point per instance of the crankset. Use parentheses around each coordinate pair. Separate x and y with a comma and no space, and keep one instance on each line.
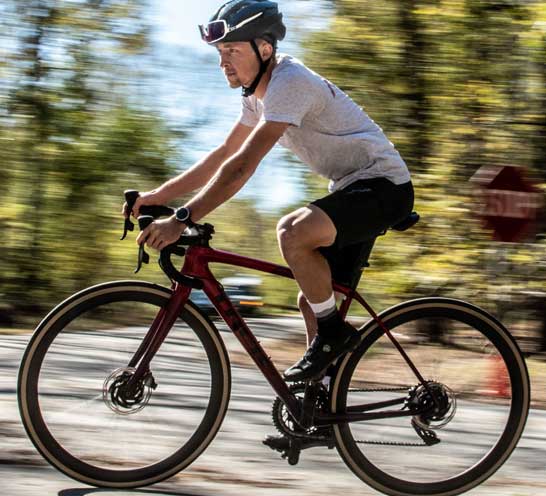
(294,438)
(285,423)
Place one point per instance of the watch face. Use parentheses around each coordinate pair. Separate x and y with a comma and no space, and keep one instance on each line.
(182,214)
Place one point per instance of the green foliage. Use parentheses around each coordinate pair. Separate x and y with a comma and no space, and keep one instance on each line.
(73,141)
(456,84)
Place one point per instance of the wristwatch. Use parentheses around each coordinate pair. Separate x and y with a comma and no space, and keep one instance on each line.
(183,214)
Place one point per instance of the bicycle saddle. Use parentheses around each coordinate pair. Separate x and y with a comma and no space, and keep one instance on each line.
(408,222)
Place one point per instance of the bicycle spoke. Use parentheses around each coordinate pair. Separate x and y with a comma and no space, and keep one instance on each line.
(468,408)
(88,423)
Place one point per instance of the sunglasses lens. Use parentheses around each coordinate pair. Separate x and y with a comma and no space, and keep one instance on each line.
(214,31)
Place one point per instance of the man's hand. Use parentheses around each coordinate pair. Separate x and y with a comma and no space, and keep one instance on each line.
(147,198)
(161,233)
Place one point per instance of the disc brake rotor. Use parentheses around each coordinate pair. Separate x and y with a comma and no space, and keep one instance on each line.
(122,400)
(439,402)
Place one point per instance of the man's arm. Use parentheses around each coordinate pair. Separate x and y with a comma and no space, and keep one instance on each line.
(200,174)
(237,170)
(229,179)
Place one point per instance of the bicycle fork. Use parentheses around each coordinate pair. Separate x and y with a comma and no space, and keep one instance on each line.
(157,333)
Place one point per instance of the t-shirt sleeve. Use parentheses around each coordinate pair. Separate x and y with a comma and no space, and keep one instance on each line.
(290,97)
(249,115)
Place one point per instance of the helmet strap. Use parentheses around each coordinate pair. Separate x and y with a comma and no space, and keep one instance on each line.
(249,90)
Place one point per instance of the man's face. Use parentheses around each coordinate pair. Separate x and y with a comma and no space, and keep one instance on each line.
(238,62)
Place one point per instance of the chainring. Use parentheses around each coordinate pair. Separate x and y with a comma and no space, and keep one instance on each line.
(285,423)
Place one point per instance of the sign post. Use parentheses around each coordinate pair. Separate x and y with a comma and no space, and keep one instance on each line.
(511,209)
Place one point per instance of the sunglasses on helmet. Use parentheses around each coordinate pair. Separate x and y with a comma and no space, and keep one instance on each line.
(216,31)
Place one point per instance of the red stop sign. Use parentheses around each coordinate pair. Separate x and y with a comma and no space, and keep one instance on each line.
(510,202)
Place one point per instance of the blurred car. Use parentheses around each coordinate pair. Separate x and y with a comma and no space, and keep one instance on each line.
(242,290)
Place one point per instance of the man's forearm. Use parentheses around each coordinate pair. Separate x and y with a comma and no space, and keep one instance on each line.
(237,169)
(229,179)
(194,178)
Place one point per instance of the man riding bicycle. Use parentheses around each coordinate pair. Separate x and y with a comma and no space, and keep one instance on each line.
(285,102)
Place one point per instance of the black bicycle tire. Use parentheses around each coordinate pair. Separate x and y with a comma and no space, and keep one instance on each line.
(487,466)
(53,323)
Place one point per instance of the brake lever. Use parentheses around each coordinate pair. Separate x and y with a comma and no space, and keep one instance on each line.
(131,196)
(143,222)
(128,226)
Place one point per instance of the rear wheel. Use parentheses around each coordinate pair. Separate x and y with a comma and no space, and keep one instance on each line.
(480,384)
(73,399)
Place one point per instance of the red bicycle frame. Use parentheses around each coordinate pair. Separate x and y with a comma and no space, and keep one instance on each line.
(196,266)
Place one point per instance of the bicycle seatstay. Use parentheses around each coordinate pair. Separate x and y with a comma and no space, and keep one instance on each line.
(393,340)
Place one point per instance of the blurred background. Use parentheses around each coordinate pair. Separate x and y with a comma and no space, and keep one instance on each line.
(98,96)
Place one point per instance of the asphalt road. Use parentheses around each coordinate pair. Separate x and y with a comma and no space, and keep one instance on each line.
(236,462)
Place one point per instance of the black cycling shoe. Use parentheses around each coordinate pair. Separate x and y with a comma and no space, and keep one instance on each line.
(322,352)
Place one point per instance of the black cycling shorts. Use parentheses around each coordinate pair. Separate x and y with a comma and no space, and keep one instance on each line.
(361,212)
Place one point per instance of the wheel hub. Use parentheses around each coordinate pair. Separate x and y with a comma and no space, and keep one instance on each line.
(437,404)
(121,398)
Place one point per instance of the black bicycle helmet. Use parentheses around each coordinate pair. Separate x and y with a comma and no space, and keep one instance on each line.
(246,20)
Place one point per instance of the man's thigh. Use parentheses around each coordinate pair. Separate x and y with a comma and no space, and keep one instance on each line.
(360,213)
(310,225)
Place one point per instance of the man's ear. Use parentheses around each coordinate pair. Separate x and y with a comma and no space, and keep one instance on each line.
(266,50)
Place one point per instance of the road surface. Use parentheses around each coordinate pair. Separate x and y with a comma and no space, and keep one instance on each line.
(236,463)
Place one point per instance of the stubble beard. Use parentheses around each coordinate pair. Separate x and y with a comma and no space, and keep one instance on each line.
(234,84)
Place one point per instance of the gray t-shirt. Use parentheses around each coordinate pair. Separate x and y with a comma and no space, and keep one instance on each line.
(328,131)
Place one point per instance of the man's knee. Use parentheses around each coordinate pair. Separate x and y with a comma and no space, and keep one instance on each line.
(307,228)
(289,233)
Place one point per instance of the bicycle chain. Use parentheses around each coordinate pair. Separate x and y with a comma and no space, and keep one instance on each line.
(385,443)
(360,441)
(375,390)
(391,443)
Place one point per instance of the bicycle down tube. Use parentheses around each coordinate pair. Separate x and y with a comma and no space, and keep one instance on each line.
(196,265)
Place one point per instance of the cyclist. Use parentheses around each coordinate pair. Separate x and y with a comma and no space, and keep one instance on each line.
(284,101)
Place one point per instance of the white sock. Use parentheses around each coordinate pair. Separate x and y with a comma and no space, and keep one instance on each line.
(324,308)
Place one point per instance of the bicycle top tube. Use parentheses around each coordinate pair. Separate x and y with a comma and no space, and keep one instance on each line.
(199,236)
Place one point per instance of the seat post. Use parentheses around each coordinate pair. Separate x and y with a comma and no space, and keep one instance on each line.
(362,262)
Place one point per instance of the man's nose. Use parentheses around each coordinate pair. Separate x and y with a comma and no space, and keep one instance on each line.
(223,60)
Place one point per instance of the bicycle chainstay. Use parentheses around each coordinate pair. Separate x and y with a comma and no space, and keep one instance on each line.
(304,435)
(435,440)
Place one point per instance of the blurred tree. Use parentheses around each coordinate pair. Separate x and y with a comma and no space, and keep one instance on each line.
(540,113)
(74,140)
(456,84)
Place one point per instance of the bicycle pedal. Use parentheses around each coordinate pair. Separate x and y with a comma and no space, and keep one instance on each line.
(293,453)
(277,443)
(290,449)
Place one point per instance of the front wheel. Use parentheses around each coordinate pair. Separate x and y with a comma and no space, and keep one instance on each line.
(71,387)
(478,376)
